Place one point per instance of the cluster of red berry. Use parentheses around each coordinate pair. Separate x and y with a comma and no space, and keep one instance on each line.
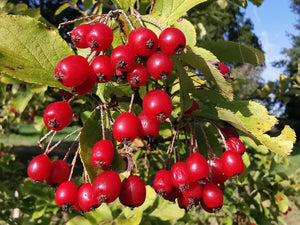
(198,181)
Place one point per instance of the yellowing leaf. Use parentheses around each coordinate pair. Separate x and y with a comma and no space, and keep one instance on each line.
(174,9)
(29,50)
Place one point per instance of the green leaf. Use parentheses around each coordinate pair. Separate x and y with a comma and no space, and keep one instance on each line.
(228,51)
(189,31)
(166,210)
(257,2)
(242,3)
(29,50)
(130,217)
(194,58)
(62,8)
(173,9)
(122,4)
(21,100)
(282,201)
(253,119)
(91,133)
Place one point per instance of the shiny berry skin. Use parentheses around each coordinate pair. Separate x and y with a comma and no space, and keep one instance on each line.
(229,132)
(133,191)
(59,173)
(79,35)
(160,65)
(39,168)
(235,145)
(100,37)
(217,170)
(106,187)
(58,115)
(224,70)
(148,127)
(143,41)
(193,108)
(102,154)
(102,68)
(72,71)
(234,164)
(138,75)
(172,41)
(180,175)
(212,196)
(66,194)
(85,198)
(163,183)
(122,58)
(157,105)
(84,88)
(197,167)
(125,128)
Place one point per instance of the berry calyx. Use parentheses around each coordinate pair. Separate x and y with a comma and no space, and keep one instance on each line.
(125,128)
(157,105)
(122,58)
(58,115)
(66,194)
(72,71)
(106,187)
(138,75)
(143,41)
(39,168)
(172,41)
(163,183)
(100,37)
(160,65)
(102,154)
(180,175)
(79,36)
(102,68)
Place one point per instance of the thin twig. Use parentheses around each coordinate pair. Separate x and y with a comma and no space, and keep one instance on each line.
(102,122)
(71,147)
(39,143)
(73,164)
(131,101)
(211,154)
(50,142)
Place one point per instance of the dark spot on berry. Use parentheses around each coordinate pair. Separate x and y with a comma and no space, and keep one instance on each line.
(100,164)
(149,44)
(102,198)
(53,123)
(179,49)
(161,116)
(76,39)
(163,75)
(101,77)
(94,44)
(59,76)
(121,64)
(65,206)
(126,140)
(135,80)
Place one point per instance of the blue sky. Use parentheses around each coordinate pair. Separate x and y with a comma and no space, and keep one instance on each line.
(273,20)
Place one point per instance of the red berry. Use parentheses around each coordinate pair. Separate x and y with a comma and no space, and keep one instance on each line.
(100,37)
(85,200)
(279,197)
(234,164)
(229,132)
(197,167)
(66,194)
(162,183)
(160,65)
(212,196)
(157,105)
(235,145)
(106,187)
(172,41)
(122,58)
(148,127)
(72,71)
(217,170)
(138,75)
(59,173)
(58,115)
(191,195)
(102,69)
(79,36)
(224,70)
(143,41)
(39,168)
(180,175)
(133,191)
(102,154)
(84,88)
